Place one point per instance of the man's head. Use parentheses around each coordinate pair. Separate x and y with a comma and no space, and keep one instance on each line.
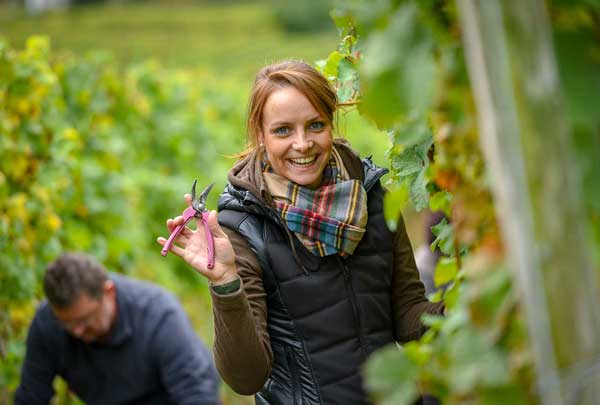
(81,296)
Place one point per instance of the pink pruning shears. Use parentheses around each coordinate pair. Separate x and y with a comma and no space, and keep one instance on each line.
(196,210)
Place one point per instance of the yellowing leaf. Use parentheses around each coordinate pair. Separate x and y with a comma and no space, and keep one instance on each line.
(53,222)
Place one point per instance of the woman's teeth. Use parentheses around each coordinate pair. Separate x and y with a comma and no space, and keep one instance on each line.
(304,161)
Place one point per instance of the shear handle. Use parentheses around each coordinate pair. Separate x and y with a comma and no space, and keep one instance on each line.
(188,214)
(210,241)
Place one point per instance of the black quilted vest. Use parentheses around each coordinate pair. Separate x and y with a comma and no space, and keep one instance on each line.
(325,315)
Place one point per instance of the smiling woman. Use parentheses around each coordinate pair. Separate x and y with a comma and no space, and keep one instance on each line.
(308,280)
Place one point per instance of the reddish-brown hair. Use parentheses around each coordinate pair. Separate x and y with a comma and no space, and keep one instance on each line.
(297,74)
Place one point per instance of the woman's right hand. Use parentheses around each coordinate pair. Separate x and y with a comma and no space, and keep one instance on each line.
(192,246)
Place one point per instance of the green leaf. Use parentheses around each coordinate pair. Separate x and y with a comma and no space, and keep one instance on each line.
(418,191)
(413,130)
(469,354)
(398,72)
(444,234)
(417,353)
(343,21)
(345,92)
(393,203)
(445,271)
(452,294)
(330,70)
(409,166)
(440,201)
(391,375)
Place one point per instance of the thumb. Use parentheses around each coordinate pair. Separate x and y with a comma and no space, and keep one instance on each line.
(213,225)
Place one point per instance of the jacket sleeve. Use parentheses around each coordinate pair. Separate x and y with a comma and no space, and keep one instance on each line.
(185,364)
(242,347)
(408,293)
(39,368)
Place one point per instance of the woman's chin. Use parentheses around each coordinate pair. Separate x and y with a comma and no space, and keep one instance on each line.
(305,176)
(310,180)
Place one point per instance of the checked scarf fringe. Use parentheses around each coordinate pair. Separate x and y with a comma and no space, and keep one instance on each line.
(329,220)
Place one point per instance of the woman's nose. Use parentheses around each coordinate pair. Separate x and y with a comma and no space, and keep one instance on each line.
(302,143)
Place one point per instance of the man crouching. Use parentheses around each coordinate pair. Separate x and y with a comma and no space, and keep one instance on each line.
(114,340)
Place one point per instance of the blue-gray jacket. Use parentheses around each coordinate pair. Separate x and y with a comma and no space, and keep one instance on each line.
(152,356)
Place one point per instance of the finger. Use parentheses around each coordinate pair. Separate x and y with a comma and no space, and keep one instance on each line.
(188,199)
(186,233)
(178,241)
(182,240)
(179,251)
(174,223)
(213,224)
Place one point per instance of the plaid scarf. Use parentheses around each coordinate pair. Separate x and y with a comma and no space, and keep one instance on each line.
(328,220)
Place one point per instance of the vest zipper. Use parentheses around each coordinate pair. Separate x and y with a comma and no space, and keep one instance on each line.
(353,300)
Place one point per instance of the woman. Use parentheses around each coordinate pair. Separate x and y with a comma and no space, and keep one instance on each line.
(308,281)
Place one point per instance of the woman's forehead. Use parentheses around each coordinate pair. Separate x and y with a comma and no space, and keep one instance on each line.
(288,104)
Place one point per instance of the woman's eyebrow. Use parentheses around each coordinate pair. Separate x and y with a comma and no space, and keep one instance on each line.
(279,123)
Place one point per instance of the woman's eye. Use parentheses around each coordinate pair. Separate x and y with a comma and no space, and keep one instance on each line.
(281,131)
(317,125)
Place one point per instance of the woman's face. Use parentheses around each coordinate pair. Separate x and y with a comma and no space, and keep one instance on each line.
(296,137)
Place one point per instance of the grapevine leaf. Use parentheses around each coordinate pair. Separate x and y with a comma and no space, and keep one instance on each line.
(346,70)
(440,201)
(393,203)
(410,165)
(444,240)
(398,79)
(330,70)
(411,131)
(445,271)
(391,374)
(470,353)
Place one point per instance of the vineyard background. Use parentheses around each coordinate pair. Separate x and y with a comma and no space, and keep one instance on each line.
(102,132)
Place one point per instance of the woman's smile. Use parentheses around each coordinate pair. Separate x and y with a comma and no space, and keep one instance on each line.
(303,161)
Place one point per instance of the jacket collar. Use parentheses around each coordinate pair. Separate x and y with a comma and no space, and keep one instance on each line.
(247,185)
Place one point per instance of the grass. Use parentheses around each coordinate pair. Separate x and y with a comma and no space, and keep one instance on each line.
(229,39)
(232,38)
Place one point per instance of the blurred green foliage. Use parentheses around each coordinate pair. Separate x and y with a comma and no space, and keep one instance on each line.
(303,16)
(231,37)
(98,148)
(409,77)
(95,160)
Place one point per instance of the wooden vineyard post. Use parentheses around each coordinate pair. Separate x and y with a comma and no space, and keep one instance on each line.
(527,145)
